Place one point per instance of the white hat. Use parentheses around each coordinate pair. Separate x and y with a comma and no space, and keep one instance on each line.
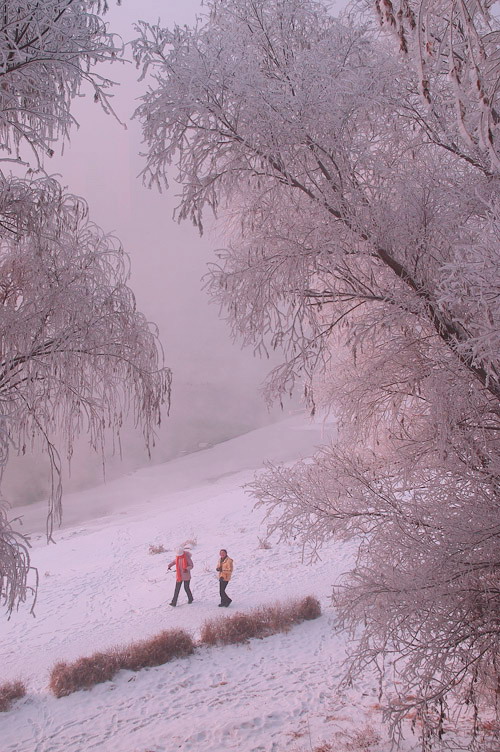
(179,551)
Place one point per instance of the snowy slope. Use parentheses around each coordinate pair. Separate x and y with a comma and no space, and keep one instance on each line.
(101,587)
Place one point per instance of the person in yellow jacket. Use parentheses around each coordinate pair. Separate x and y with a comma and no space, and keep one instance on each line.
(225,570)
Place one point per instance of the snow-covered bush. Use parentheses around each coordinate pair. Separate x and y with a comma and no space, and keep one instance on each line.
(84,673)
(259,622)
(163,647)
(9,692)
(156,548)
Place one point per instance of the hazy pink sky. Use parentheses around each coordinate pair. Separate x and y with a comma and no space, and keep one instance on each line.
(102,164)
(216,384)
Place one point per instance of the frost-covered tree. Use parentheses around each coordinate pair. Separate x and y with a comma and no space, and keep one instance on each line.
(363,215)
(75,354)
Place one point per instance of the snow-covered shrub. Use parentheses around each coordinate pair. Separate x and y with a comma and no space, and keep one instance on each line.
(9,692)
(236,628)
(307,608)
(157,549)
(362,740)
(102,666)
(83,673)
(260,622)
(163,647)
(264,544)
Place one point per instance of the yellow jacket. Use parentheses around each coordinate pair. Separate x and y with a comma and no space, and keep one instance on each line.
(225,569)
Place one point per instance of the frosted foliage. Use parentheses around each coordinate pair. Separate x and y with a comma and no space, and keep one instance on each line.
(14,558)
(47,50)
(362,227)
(455,47)
(76,355)
(75,351)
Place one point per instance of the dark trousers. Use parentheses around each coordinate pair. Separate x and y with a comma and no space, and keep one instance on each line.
(224,599)
(178,590)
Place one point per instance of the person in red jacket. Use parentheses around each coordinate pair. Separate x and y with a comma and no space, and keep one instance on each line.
(183,566)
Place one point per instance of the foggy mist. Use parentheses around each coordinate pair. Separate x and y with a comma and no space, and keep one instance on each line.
(216,385)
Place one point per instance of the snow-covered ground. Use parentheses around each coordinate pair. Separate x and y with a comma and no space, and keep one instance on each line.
(100,587)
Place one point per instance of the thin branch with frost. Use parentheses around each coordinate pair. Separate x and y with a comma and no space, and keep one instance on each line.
(14,564)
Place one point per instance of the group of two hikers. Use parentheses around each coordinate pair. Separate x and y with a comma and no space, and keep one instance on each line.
(183,565)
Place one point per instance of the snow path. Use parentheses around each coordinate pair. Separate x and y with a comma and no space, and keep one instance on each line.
(100,587)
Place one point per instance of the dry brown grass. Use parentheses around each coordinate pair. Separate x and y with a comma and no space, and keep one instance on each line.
(157,548)
(9,692)
(306,609)
(83,673)
(261,622)
(100,667)
(264,543)
(164,647)
(363,739)
(236,628)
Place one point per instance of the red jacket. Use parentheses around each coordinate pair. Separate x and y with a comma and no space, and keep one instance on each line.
(183,566)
